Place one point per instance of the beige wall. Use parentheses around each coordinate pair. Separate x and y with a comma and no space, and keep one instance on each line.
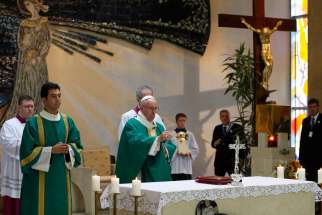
(97,94)
(315,49)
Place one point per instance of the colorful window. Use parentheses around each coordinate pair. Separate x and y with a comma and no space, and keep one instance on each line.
(299,85)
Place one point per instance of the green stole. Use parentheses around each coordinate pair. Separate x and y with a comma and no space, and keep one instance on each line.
(41,174)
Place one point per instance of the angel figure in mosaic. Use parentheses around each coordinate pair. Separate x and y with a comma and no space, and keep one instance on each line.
(33,46)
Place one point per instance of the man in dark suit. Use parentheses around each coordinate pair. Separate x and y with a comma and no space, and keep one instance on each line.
(224,135)
(311,141)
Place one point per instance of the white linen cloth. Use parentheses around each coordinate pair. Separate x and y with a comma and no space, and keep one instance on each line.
(158,194)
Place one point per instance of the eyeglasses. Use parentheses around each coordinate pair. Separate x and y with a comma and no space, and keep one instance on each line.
(152,108)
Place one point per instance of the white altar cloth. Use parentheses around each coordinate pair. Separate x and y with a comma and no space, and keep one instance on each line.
(159,194)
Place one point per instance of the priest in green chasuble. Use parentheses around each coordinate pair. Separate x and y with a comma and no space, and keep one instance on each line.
(50,147)
(145,149)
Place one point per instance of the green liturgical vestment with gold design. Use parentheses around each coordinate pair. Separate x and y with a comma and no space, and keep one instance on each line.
(48,192)
(133,155)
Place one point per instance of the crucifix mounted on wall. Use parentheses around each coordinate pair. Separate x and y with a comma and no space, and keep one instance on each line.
(262,28)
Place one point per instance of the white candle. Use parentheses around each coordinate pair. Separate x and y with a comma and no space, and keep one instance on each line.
(115,188)
(301,174)
(320,176)
(96,183)
(280,171)
(136,187)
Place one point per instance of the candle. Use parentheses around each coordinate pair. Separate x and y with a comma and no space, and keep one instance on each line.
(96,183)
(320,176)
(301,174)
(280,171)
(136,187)
(115,188)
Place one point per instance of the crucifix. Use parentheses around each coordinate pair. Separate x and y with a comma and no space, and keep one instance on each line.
(257,21)
(237,147)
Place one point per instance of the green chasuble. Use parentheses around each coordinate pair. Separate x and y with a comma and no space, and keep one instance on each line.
(47,193)
(133,155)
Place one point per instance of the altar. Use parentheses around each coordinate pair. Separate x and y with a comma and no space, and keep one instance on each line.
(257,195)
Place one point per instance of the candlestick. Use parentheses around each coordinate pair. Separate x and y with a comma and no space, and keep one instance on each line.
(96,183)
(320,176)
(115,203)
(136,187)
(280,171)
(97,202)
(114,187)
(136,203)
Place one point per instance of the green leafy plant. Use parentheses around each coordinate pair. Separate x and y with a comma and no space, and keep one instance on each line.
(241,83)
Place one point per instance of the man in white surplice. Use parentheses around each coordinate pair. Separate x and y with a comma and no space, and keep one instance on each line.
(140,93)
(10,138)
(187,150)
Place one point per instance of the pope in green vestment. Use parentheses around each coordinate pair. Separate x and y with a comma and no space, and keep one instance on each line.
(46,185)
(134,154)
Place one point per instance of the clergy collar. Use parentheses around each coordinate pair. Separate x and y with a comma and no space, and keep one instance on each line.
(145,122)
(21,119)
(49,116)
(136,109)
(177,130)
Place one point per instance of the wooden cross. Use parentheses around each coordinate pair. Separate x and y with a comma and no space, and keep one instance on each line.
(237,147)
(258,20)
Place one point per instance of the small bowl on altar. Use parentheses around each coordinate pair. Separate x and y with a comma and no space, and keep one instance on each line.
(237,179)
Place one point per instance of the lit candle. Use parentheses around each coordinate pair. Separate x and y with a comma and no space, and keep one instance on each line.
(115,188)
(320,176)
(280,171)
(301,174)
(96,183)
(136,187)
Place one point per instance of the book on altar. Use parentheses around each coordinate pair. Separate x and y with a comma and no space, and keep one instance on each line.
(218,180)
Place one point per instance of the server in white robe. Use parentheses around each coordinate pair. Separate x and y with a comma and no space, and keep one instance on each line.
(10,139)
(140,93)
(187,150)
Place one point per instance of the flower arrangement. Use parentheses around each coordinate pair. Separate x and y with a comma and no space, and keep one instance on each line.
(290,169)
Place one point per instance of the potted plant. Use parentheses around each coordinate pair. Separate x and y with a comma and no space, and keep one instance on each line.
(241,81)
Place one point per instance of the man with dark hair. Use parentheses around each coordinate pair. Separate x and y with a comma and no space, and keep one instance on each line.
(180,115)
(310,143)
(10,139)
(47,87)
(224,135)
(187,150)
(23,98)
(50,147)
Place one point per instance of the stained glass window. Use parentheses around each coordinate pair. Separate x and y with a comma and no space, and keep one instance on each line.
(299,85)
